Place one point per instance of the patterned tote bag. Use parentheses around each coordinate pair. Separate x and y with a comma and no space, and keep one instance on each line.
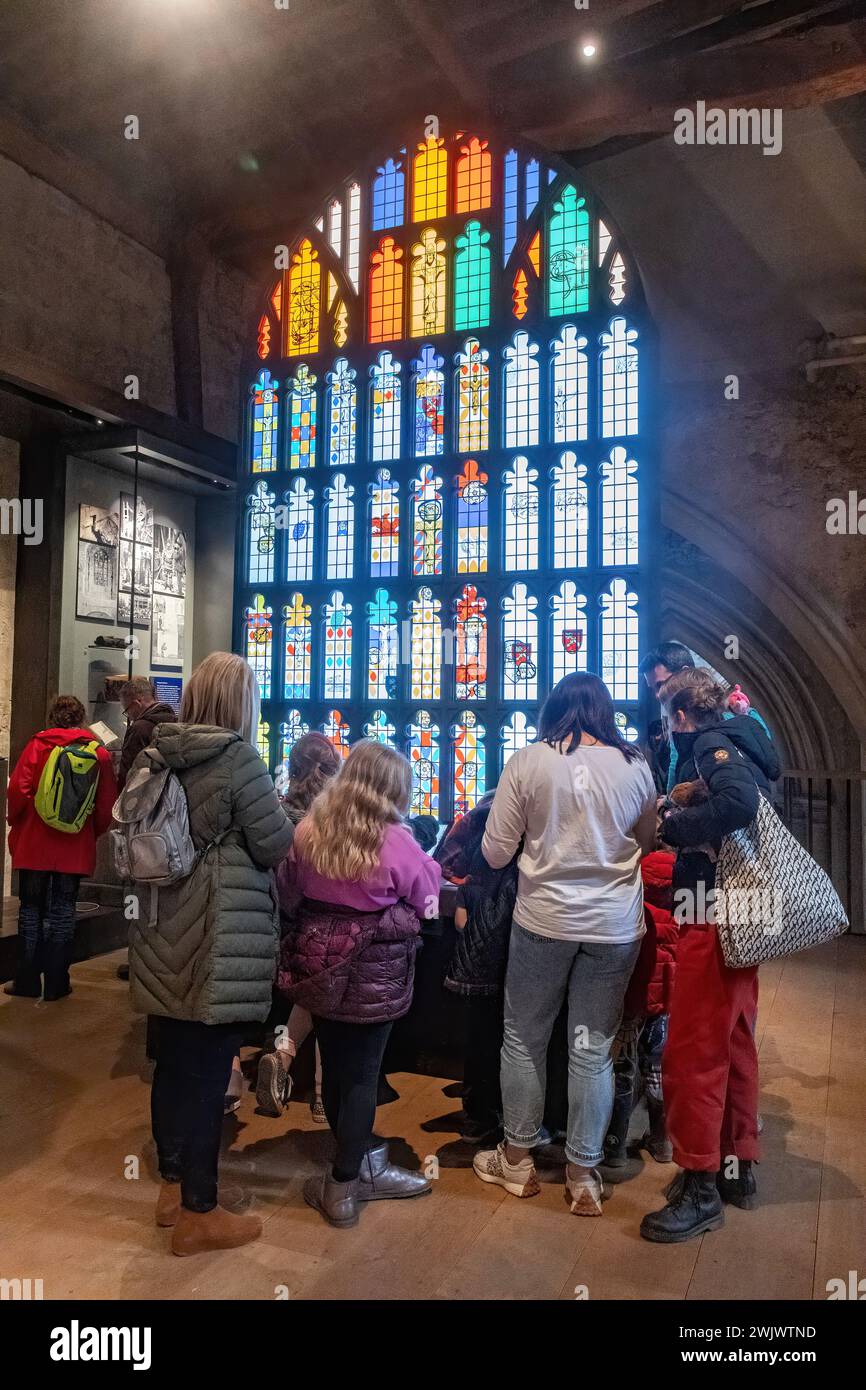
(772,899)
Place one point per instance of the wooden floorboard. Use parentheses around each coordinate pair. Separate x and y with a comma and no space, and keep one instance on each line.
(77,1185)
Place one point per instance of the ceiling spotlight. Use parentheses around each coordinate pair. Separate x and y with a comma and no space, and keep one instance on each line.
(589,49)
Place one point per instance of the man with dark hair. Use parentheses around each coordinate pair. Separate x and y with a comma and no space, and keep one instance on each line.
(656,667)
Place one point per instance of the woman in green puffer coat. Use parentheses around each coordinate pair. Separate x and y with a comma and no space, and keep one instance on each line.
(203,969)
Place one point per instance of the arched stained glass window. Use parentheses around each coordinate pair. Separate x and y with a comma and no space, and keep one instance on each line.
(341,529)
(472,318)
(262,536)
(423,737)
(292,728)
(384,526)
(338,648)
(429,285)
(429,403)
(264,423)
(337,732)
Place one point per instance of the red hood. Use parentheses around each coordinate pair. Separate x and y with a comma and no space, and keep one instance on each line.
(657,871)
(56,738)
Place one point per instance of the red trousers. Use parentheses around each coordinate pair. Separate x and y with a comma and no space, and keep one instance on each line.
(710,1065)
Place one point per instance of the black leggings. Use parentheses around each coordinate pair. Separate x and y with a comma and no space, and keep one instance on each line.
(194,1063)
(351,1058)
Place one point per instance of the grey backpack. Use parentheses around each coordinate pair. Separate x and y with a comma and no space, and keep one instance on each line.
(152,843)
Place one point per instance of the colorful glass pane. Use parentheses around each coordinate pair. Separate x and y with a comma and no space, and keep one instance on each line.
(520,516)
(386,292)
(568,632)
(342,412)
(426,523)
(292,728)
(520,295)
(569,386)
(265,422)
(261,536)
(470,654)
(473,390)
(467,737)
(383,647)
(297,518)
(532,185)
(519,645)
(338,648)
(428,285)
(473,177)
(380,729)
(472,278)
(341,529)
(616,279)
(264,344)
(430,183)
(429,399)
(619,641)
(336,731)
(509,206)
(353,244)
(425,644)
(627,730)
(568,255)
(570,513)
(521,427)
(335,233)
(384,526)
(258,643)
(471,519)
(534,253)
(305,291)
(388,196)
(303,406)
(619,380)
(297,644)
(424,760)
(385,408)
(619,509)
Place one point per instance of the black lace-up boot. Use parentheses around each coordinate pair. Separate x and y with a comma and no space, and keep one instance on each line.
(694,1206)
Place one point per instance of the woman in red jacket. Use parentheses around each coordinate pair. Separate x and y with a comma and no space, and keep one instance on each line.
(51,863)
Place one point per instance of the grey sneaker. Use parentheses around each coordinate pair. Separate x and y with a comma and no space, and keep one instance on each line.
(273,1083)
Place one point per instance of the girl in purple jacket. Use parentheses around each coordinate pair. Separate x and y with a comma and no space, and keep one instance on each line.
(354,887)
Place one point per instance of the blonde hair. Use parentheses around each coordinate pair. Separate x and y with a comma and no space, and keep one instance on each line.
(693,691)
(342,834)
(222,691)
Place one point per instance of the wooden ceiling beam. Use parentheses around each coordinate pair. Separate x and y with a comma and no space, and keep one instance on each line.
(445,53)
(540,30)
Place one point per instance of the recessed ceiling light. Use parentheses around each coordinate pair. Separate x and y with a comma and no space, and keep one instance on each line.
(588,49)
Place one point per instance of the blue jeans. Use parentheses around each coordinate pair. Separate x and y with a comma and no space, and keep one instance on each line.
(542,972)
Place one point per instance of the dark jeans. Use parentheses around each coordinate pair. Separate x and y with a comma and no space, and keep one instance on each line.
(194,1062)
(351,1058)
(46,925)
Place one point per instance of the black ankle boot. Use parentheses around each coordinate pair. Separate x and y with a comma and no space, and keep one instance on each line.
(739,1191)
(694,1206)
(57,959)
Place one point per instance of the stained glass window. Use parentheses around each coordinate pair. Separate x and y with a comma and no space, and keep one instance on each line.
(474,177)
(428,287)
(570,386)
(265,423)
(472,278)
(568,631)
(470,646)
(532,186)
(305,291)
(341,529)
(342,411)
(424,757)
(473,392)
(386,292)
(292,728)
(619,380)
(471,519)
(425,646)
(335,229)
(568,255)
(570,513)
(520,516)
(616,278)
(429,400)
(534,253)
(302,418)
(297,649)
(520,417)
(426,522)
(300,519)
(384,526)
(258,643)
(264,345)
(338,648)
(430,187)
(353,248)
(380,729)
(604,240)
(261,536)
(519,645)
(520,295)
(385,408)
(383,647)
(388,196)
(619,641)
(628,731)
(469,762)
(619,509)
(517,733)
(509,206)
(337,732)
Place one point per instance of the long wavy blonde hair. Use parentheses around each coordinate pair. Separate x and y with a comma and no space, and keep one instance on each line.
(341,835)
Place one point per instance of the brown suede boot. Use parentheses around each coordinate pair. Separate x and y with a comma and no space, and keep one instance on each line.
(168,1204)
(199,1231)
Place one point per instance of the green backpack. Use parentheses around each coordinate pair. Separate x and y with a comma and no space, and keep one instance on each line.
(67,786)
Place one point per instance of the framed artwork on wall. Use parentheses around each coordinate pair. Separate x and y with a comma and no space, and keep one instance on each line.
(143,567)
(169,560)
(166,633)
(101,525)
(142,526)
(142,609)
(97,582)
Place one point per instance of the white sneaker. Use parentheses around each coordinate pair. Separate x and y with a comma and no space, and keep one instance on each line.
(520,1179)
(584,1193)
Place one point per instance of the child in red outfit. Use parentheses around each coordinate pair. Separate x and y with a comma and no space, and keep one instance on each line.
(642,1035)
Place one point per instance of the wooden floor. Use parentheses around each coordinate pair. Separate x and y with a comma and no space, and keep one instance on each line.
(74,1123)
